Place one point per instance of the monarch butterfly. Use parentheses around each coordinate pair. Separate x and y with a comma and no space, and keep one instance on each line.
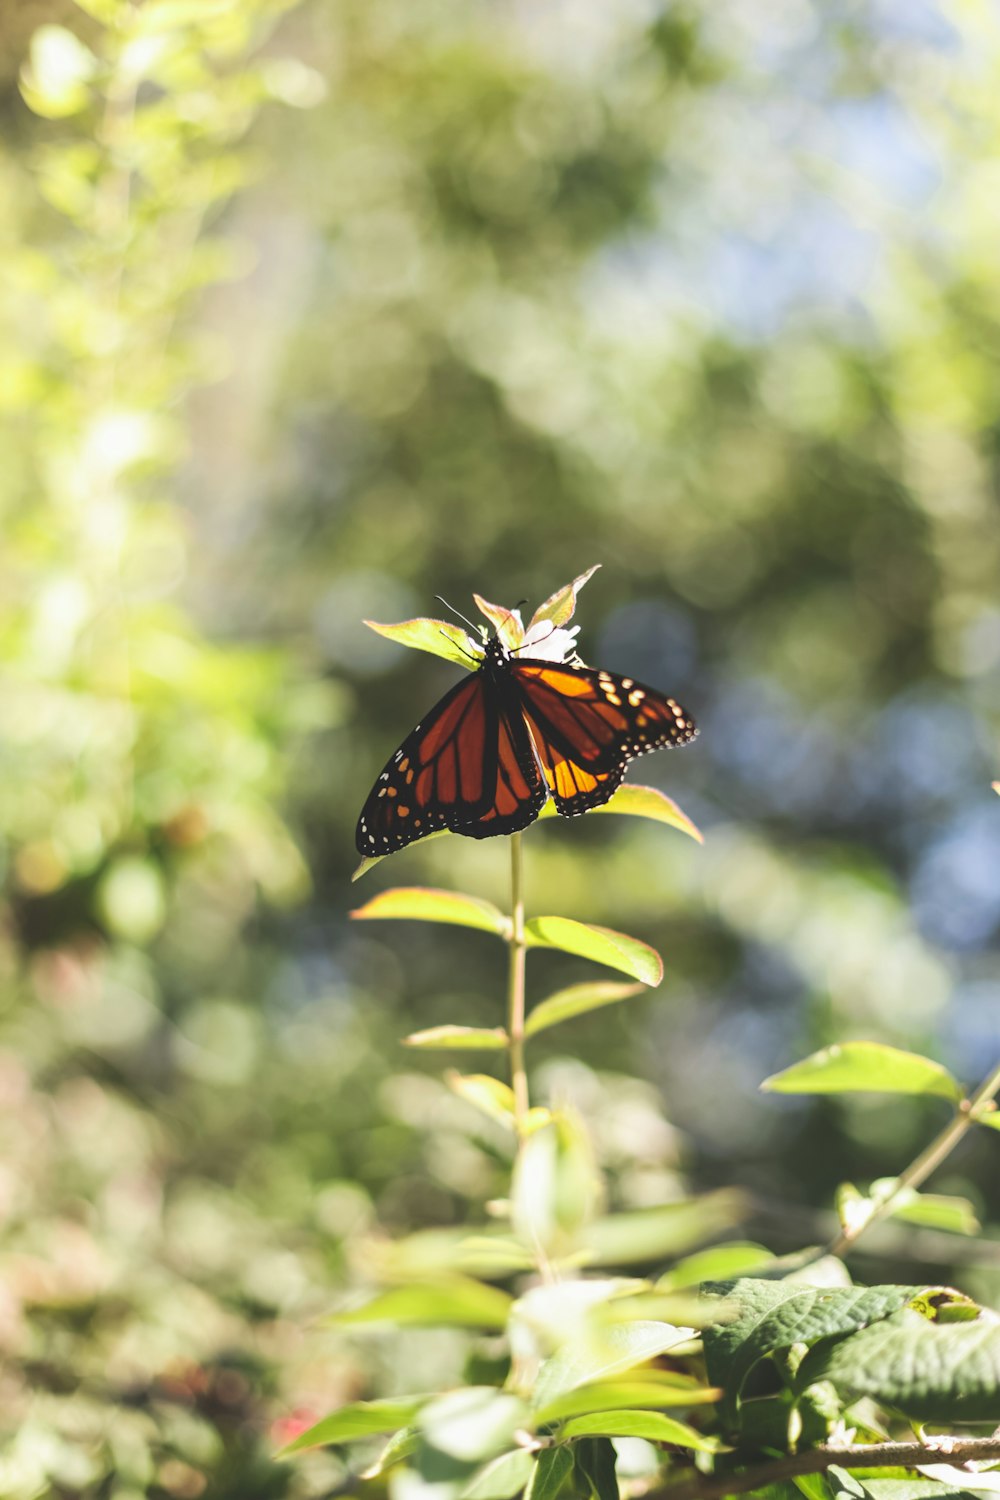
(487,757)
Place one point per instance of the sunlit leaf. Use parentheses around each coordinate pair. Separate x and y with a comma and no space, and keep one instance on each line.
(458,1038)
(506,622)
(868,1067)
(432,1252)
(651,1425)
(502,1477)
(613,949)
(576,1001)
(456,1302)
(717,1264)
(400,1446)
(423,904)
(649,1234)
(638,1394)
(560,606)
(493,1097)
(436,636)
(604,1351)
(358,1420)
(474,1423)
(933,1210)
(60,67)
(640,802)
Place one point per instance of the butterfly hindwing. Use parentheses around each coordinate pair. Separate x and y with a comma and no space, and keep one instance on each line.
(468,766)
(587,724)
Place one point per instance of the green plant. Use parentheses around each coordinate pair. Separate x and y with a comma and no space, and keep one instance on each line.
(732,1370)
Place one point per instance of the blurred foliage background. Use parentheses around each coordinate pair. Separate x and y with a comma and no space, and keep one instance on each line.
(309,312)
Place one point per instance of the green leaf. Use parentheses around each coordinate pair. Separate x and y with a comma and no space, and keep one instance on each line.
(494,1098)
(561,606)
(476,1422)
(360,1419)
(553,1468)
(763,1317)
(932,1210)
(640,802)
(502,1477)
(434,1252)
(640,1394)
(400,1446)
(651,1425)
(922,1489)
(423,904)
(646,1234)
(933,1371)
(602,1352)
(458,1038)
(436,636)
(575,1001)
(720,1263)
(594,1460)
(455,1302)
(988,1113)
(614,949)
(868,1067)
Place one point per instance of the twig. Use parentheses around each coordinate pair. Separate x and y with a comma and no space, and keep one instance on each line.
(923,1165)
(515,987)
(817,1460)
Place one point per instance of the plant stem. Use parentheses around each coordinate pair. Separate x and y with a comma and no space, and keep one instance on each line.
(817,1460)
(923,1165)
(515,987)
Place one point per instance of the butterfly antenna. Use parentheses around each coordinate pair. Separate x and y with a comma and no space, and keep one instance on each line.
(457,612)
(460,646)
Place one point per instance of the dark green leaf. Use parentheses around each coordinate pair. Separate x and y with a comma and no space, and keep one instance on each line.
(932,1371)
(594,1458)
(552,1470)
(796,1315)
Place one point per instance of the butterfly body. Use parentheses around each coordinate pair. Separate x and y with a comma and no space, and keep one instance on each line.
(490,753)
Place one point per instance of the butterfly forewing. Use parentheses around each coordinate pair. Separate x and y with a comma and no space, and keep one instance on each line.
(468,766)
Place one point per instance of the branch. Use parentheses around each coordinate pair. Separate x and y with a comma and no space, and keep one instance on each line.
(816,1460)
(927,1162)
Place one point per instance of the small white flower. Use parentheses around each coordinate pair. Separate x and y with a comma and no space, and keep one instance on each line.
(547,642)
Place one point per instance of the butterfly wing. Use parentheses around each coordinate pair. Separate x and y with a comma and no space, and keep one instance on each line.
(468,767)
(587,724)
